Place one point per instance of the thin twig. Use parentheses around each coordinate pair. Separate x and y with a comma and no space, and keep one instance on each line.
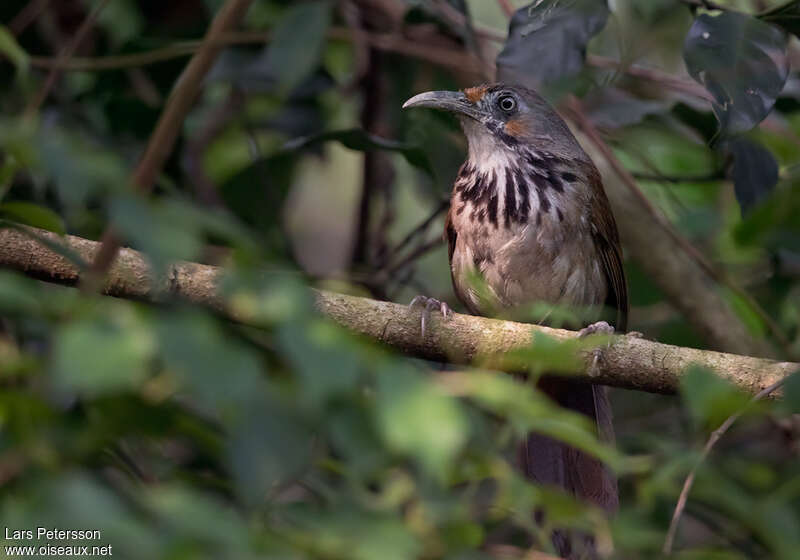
(144,87)
(26,16)
(674,83)
(162,140)
(463,23)
(712,440)
(215,123)
(351,14)
(64,56)
(414,255)
(448,57)
(403,281)
(423,225)
(507,7)
(704,178)
(121,61)
(377,172)
(654,172)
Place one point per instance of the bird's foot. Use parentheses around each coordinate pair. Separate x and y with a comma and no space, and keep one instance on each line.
(600,327)
(428,305)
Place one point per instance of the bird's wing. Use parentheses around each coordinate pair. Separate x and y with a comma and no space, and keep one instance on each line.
(464,294)
(450,235)
(606,240)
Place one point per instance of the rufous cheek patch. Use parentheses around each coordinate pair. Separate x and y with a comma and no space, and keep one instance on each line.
(475,94)
(514,127)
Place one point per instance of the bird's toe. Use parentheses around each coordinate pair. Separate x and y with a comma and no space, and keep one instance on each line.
(428,305)
(600,327)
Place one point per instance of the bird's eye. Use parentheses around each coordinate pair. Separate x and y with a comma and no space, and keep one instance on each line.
(507,103)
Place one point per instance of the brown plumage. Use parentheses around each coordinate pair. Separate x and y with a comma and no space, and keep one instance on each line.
(529,215)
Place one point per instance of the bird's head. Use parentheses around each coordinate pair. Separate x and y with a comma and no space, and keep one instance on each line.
(503,117)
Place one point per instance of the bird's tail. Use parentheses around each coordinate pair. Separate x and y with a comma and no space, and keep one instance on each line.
(552,463)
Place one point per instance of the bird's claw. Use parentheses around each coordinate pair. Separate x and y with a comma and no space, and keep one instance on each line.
(428,305)
(600,327)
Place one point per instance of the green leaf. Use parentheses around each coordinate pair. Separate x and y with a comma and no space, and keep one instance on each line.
(156,230)
(742,62)
(217,223)
(548,354)
(197,517)
(11,50)
(266,299)
(353,533)
(754,171)
(33,215)
(528,410)
(323,356)
(611,107)
(547,40)
(417,419)
(746,312)
(268,445)
(257,193)
(791,394)
(121,19)
(354,437)
(201,356)
(773,223)
(79,168)
(70,498)
(102,356)
(710,553)
(296,46)
(19,294)
(709,398)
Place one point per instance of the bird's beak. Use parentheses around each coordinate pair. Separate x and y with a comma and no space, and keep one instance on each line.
(452,101)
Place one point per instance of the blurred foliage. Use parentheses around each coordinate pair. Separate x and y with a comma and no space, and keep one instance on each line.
(179,434)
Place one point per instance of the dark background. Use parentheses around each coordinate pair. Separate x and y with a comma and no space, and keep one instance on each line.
(180,434)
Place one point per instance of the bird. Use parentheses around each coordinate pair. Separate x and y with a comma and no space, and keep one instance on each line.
(529,216)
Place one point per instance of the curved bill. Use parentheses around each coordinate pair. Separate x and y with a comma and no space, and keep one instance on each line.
(452,101)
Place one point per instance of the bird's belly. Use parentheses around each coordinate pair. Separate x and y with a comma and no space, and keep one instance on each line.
(511,268)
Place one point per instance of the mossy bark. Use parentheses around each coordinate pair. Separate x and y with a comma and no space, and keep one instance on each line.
(631,363)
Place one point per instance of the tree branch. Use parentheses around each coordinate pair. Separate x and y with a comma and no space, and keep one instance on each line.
(628,362)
